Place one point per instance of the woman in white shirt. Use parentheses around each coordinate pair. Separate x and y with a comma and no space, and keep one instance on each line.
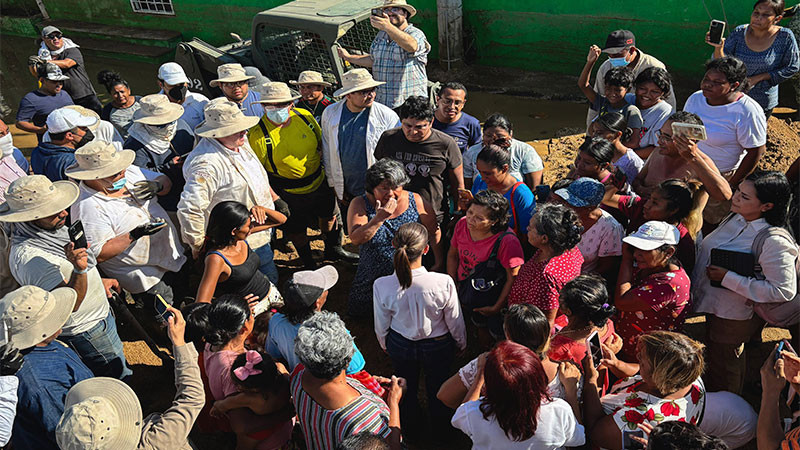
(516,410)
(418,322)
(761,201)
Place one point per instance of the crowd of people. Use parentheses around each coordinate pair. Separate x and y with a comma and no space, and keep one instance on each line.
(569,299)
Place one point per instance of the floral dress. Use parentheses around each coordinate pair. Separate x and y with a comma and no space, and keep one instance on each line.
(630,406)
(376,257)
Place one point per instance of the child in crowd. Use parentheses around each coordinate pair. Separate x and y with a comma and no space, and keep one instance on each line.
(652,87)
(263,384)
(614,128)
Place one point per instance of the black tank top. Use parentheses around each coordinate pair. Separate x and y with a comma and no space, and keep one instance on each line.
(245,278)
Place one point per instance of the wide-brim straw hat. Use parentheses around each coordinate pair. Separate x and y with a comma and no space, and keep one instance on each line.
(35,196)
(275,92)
(156,109)
(224,118)
(100,407)
(34,314)
(99,159)
(88,113)
(310,77)
(400,4)
(230,73)
(356,80)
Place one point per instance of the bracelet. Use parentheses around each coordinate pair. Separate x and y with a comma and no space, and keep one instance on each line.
(81,272)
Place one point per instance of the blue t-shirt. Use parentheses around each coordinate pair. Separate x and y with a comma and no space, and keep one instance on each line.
(249,106)
(45,377)
(280,344)
(466,130)
(36,106)
(353,149)
(523,203)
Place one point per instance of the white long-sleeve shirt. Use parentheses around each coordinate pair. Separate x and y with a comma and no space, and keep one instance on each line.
(429,308)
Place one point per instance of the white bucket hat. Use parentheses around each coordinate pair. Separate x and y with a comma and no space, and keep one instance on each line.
(35,196)
(66,119)
(156,109)
(99,159)
(230,73)
(653,234)
(356,80)
(400,4)
(275,92)
(310,77)
(100,413)
(224,118)
(34,314)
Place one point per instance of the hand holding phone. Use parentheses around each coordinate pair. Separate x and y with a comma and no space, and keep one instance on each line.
(148,229)
(628,443)
(76,235)
(715,30)
(593,346)
(162,308)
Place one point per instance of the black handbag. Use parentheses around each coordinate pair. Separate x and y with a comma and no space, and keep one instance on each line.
(483,286)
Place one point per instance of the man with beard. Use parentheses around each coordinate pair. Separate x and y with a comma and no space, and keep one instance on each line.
(36,105)
(69,130)
(233,82)
(310,84)
(173,81)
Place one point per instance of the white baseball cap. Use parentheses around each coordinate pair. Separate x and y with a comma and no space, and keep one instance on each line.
(66,119)
(172,74)
(653,234)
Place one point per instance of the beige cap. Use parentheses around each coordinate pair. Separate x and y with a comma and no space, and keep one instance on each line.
(400,4)
(34,196)
(33,314)
(99,159)
(356,80)
(310,77)
(224,118)
(275,92)
(230,73)
(156,109)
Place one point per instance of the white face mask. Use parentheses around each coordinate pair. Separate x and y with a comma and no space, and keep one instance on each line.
(166,133)
(7,145)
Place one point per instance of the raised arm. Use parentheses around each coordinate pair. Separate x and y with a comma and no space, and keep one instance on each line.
(583,80)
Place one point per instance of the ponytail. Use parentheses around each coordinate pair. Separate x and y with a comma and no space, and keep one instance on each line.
(409,244)
(694,220)
(684,198)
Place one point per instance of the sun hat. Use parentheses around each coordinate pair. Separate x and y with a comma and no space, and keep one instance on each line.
(49,29)
(66,119)
(99,159)
(224,118)
(230,73)
(172,73)
(619,40)
(306,286)
(35,196)
(583,192)
(53,73)
(653,234)
(310,77)
(275,92)
(33,314)
(400,4)
(156,109)
(356,80)
(100,413)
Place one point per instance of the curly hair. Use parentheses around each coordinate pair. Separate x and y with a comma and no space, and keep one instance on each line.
(323,345)
(674,435)
(496,205)
(733,69)
(561,226)
(619,76)
(385,170)
(416,107)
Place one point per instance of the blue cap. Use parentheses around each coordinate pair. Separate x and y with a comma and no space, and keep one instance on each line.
(583,192)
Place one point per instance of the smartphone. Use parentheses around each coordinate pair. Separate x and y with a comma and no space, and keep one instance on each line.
(631,444)
(689,130)
(161,307)
(377,12)
(76,235)
(593,345)
(542,193)
(778,351)
(715,31)
(156,225)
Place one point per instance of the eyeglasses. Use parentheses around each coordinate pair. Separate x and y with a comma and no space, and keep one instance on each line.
(234,83)
(448,102)
(365,92)
(666,137)
(394,9)
(54,36)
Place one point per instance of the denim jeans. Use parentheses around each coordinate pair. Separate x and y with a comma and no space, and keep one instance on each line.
(267,264)
(435,356)
(100,348)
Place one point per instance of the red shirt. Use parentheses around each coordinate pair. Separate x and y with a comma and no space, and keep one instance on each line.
(539,282)
(470,252)
(562,348)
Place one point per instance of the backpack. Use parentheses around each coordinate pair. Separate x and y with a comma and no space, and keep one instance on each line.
(780,314)
(483,286)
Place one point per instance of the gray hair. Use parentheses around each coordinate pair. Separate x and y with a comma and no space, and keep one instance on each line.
(323,345)
(385,170)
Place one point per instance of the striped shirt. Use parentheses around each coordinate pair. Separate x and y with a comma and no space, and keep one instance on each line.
(792,440)
(324,429)
(403,72)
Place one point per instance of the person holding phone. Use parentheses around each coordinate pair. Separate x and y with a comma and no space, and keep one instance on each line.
(781,365)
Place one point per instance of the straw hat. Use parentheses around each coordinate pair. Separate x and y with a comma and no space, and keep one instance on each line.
(35,196)
(275,92)
(400,4)
(86,112)
(356,80)
(99,159)
(100,413)
(156,109)
(310,77)
(224,118)
(33,314)
(230,73)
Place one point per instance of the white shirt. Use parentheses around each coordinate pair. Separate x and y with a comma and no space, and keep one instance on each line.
(193,106)
(603,239)
(141,265)
(8,406)
(32,266)
(777,261)
(429,308)
(730,418)
(630,164)
(730,128)
(524,160)
(653,119)
(556,428)
(555,388)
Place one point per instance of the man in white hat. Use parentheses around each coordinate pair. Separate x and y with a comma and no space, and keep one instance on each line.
(105,414)
(42,255)
(61,51)
(398,54)
(223,167)
(233,81)
(175,84)
(102,130)
(35,106)
(69,130)
(350,131)
(287,140)
(131,234)
(35,318)
(312,98)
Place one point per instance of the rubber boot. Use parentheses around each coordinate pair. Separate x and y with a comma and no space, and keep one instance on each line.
(306,257)
(334,249)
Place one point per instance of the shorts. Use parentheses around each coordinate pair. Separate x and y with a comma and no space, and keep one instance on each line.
(305,209)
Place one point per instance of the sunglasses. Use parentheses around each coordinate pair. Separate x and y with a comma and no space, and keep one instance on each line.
(54,36)
(365,92)
(234,83)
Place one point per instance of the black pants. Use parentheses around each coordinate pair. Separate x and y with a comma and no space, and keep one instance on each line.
(89,102)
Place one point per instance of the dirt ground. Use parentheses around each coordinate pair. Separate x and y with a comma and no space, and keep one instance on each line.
(153,380)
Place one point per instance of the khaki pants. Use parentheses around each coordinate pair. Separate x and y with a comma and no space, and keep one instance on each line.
(725,355)
(716,210)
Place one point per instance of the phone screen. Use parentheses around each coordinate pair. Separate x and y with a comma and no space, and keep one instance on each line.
(778,351)
(161,307)
(715,31)
(76,235)
(594,347)
(631,444)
